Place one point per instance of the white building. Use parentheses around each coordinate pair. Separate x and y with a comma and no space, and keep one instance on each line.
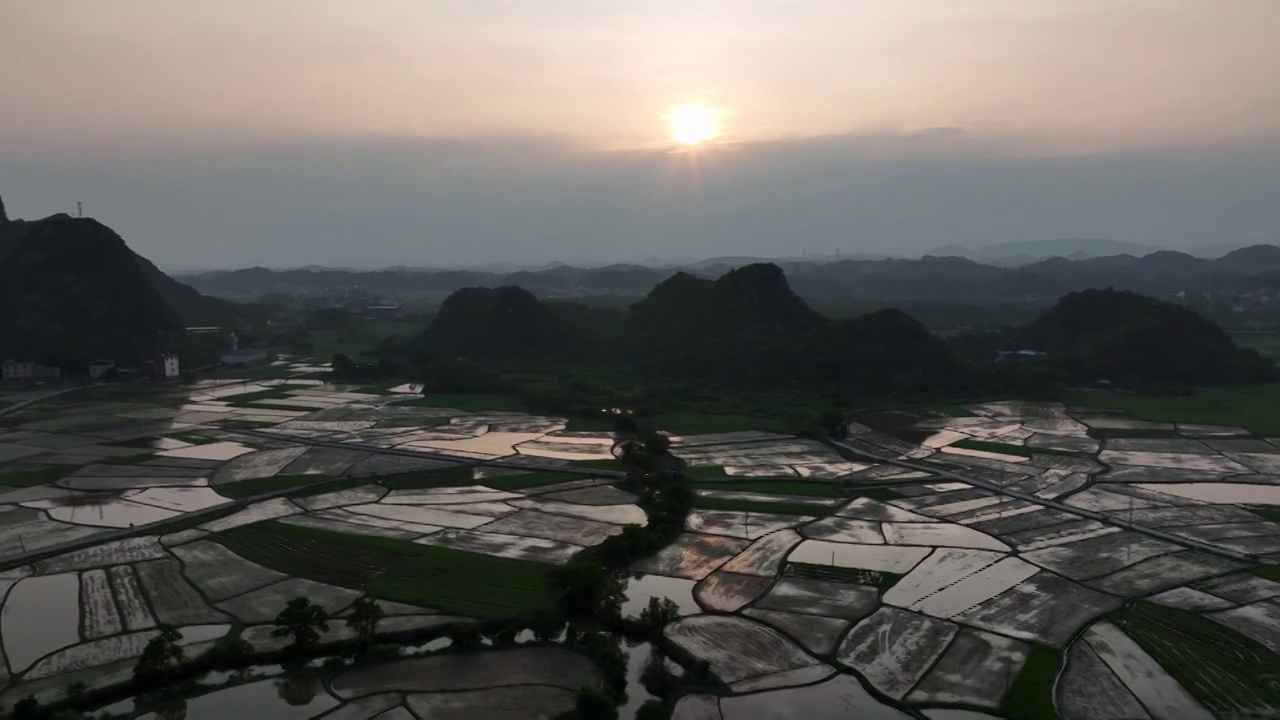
(26,372)
(172,369)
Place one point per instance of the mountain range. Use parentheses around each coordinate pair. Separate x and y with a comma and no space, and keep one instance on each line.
(1024,253)
(952,278)
(749,329)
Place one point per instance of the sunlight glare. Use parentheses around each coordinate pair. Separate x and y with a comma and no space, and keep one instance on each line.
(693,124)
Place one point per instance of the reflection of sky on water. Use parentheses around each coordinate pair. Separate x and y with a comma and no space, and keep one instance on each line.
(640,588)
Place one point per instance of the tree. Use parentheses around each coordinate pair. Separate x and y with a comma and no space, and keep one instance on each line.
(302,621)
(364,617)
(161,653)
(171,709)
(659,612)
(587,588)
(832,422)
(466,636)
(28,708)
(75,693)
(344,366)
(297,689)
(652,710)
(595,705)
(547,625)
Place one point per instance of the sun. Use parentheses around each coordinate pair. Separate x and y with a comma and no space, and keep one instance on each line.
(693,124)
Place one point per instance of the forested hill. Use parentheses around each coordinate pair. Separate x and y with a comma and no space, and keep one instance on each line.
(746,328)
(1136,340)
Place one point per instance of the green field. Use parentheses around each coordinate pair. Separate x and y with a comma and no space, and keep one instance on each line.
(1007,449)
(193,438)
(528,480)
(326,343)
(1266,343)
(451,581)
(254,399)
(1228,672)
(244,424)
(38,476)
(258,486)
(1270,572)
(1031,696)
(1255,407)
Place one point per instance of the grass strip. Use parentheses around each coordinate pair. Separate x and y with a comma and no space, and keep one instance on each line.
(191,438)
(777,487)
(711,503)
(37,476)
(1269,572)
(1031,696)
(528,480)
(1007,449)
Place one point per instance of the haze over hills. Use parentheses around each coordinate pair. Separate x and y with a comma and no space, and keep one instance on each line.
(1254,269)
(1022,253)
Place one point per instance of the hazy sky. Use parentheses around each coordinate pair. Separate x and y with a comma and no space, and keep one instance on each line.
(379,132)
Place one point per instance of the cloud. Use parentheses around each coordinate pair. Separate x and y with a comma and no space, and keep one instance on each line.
(381,202)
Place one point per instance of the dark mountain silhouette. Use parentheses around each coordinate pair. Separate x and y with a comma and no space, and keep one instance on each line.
(10,232)
(503,322)
(748,327)
(736,325)
(883,349)
(1137,340)
(71,290)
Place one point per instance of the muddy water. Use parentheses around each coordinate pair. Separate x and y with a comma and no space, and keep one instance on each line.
(41,614)
(898,423)
(639,654)
(289,697)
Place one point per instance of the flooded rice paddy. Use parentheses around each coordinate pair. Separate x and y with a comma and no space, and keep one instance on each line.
(907,588)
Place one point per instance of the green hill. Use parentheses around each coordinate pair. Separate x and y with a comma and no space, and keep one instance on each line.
(496,323)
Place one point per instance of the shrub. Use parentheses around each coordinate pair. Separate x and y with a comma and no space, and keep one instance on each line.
(595,705)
